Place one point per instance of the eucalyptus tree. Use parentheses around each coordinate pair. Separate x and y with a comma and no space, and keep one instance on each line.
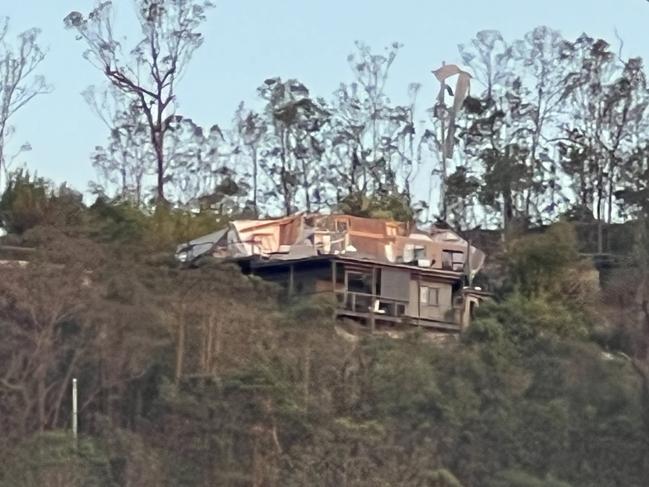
(201,171)
(608,100)
(126,160)
(19,81)
(250,129)
(149,72)
(293,146)
(373,146)
(497,134)
(542,57)
(461,198)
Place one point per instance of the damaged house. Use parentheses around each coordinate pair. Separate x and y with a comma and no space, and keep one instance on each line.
(381,272)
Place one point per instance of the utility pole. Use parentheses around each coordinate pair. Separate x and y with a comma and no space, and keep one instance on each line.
(469,272)
(448,117)
(74,412)
(441,111)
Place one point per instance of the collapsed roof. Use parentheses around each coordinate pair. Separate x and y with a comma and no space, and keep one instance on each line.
(303,235)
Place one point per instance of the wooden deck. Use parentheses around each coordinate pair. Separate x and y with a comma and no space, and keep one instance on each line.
(388,312)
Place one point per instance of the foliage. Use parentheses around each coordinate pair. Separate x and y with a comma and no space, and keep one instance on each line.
(29,201)
(527,150)
(518,319)
(170,37)
(52,459)
(204,376)
(380,205)
(19,83)
(549,263)
(292,148)
(24,202)
(183,381)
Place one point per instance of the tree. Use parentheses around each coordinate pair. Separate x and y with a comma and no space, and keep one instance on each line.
(46,338)
(24,203)
(373,148)
(30,201)
(461,198)
(127,158)
(19,83)
(201,167)
(497,134)
(511,125)
(536,56)
(293,149)
(250,130)
(198,163)
(608,100)
(441,139)
(148,74)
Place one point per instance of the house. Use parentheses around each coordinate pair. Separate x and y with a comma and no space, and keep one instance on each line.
(381,272)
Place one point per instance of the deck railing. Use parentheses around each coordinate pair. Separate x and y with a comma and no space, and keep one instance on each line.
(366,303)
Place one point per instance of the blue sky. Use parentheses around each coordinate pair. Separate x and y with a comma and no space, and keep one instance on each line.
(247,41)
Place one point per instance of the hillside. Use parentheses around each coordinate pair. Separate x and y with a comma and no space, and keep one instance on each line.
(204,377)
(426,267)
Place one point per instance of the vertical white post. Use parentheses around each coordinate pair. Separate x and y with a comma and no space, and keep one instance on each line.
(74,410)
(469,272)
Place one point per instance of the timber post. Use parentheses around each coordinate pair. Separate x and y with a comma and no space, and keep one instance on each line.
(333,286)
(291,280)
(373,301)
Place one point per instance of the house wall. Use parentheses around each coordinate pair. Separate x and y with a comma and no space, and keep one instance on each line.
(433,249)
(308,277)
(470,303)
(395,284)
(442,312)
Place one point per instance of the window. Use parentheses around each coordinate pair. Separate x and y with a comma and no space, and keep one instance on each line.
(419,253)
(359,282)
(452,260)
(429,295)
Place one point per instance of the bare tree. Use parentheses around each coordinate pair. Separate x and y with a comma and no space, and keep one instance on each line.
(372,148)
(250,130)
(498,131)
(125,161)
(148,73)
(536,55)
(200,167)
(293,150)
(19,84)
(608,99)
(39,354)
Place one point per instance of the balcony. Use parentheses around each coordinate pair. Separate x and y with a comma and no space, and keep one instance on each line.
(366,304)
(378,309)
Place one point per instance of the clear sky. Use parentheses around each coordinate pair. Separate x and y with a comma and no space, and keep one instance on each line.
(247,41)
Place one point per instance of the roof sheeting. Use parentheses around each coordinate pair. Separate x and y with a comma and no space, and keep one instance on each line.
(302,236)
(201,245)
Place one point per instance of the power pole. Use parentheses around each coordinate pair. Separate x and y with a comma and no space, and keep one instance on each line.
(74,412)
(469,272)
(442,113)
(448,117)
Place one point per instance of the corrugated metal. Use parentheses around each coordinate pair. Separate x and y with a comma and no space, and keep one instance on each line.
(364,239)
(199,246)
